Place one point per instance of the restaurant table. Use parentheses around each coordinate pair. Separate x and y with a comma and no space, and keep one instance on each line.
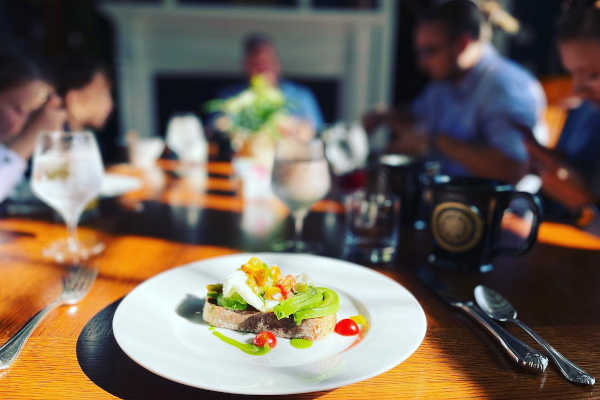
(176,218)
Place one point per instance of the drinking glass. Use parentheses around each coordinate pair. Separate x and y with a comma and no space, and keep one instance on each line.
(300,178)
(67,174)
(371,226)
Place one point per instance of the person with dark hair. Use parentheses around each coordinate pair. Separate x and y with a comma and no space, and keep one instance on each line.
(28,105)
(570,173)
(464,116)
(260,58)
(84,84)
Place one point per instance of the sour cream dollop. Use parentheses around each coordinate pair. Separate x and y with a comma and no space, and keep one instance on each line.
(236,283)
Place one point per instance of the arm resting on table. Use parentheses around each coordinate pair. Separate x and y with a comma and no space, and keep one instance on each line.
(481,160)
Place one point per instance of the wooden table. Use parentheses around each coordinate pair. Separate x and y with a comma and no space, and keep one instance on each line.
(172,221)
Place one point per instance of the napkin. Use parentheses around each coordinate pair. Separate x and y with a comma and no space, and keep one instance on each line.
(346,147)
(185,136)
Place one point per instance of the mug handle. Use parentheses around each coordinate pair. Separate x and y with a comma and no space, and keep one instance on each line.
(536,207)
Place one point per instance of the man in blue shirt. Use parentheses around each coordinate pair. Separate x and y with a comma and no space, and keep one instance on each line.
(260,58)
(466,114)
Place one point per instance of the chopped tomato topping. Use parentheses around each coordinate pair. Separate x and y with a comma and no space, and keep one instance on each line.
(288,282)
(284,291)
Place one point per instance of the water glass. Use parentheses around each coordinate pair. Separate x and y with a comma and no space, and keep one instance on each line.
(67,175)
(372,226)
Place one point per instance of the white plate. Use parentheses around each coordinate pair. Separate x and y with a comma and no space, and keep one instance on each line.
(116,184)
(149,329)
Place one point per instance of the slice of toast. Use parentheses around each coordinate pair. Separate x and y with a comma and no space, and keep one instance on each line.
(256,321)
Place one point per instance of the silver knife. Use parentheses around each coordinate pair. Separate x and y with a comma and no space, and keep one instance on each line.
(522,354)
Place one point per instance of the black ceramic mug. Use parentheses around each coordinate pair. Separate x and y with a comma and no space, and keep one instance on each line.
(466,221)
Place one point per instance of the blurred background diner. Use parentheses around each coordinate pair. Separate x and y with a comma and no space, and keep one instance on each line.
(496,89)
(260,58)
(463,116)
(28,105)
(84,84)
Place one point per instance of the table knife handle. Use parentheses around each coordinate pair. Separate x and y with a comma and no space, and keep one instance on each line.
(524,355)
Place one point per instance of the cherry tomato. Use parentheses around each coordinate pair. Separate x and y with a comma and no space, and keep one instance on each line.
(265,337)
(346,327)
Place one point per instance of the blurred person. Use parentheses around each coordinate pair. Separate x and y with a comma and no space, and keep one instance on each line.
(28,105)
(464,116)
(571,172)
(85,86)
(260,58)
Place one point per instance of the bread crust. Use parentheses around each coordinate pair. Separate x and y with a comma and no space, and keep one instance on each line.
(256,321)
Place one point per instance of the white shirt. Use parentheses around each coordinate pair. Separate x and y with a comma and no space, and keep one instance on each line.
(12,168)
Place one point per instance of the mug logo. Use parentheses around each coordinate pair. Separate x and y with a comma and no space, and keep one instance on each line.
(456,227)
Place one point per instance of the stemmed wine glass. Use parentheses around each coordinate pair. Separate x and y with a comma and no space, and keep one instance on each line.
(67,174)
(300,178)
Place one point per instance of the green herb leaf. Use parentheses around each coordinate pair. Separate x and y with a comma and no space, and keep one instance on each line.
(234,302)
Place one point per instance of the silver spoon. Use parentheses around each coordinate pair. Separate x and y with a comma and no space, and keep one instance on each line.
(498,308)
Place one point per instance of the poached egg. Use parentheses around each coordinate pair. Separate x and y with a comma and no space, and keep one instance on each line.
(236,283)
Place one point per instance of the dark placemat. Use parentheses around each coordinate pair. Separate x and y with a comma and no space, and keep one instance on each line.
(105,364)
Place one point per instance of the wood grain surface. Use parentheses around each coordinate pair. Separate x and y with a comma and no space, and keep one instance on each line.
(73,355)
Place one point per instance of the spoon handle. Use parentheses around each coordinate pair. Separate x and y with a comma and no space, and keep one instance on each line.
(569,370)
(519,352)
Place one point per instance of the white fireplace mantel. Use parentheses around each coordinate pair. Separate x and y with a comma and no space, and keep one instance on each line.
(354,47)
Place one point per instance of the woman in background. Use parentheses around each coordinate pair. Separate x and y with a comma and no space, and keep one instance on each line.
(571,173)
(83,83)
(28,105)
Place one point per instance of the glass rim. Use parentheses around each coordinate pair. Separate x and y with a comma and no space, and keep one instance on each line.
(47,139)
(315,147)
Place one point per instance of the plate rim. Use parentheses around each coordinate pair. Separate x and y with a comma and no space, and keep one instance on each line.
(340,383)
